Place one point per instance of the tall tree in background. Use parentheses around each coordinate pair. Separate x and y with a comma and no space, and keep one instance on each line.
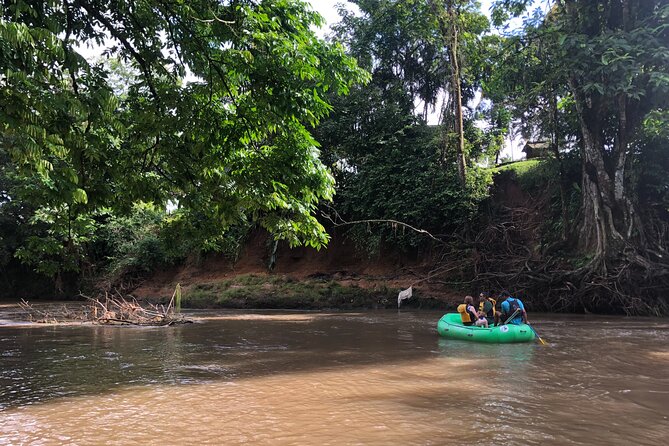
(616,63)
(388,163)
(525,79)
(610,62)
(448,18)
(613,58)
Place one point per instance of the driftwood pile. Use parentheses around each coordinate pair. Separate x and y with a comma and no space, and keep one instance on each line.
(52,314)
(110,310)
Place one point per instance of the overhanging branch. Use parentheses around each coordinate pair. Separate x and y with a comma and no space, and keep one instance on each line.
(338,221)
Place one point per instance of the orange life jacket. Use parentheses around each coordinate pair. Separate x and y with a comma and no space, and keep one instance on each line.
(464,314)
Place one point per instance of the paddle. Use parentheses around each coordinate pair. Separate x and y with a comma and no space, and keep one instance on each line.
(537,335)
(514,314)
(531,328)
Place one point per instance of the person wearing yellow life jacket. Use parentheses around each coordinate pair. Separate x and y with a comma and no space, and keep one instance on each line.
(469,315)
(487,307)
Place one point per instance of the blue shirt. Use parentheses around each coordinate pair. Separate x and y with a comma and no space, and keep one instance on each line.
(506,308)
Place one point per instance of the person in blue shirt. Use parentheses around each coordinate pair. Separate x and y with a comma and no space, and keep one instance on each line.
(509,305)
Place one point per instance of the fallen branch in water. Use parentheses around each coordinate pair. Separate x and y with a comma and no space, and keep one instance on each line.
(109,310)
(119,310)
(45,316)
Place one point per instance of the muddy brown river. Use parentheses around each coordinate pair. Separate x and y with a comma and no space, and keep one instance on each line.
(303,378)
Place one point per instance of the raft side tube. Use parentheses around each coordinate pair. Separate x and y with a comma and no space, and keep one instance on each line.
(450,327)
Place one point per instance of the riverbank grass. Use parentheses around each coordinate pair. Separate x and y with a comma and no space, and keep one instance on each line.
(264,291)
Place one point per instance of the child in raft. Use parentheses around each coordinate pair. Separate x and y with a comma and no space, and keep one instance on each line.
(477,316)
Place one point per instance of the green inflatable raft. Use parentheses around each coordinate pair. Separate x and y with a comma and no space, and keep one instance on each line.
(450,326)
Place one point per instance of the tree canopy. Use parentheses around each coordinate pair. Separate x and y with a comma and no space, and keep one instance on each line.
(215,117)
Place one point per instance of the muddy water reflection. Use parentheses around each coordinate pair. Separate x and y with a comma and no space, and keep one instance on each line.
(313,378)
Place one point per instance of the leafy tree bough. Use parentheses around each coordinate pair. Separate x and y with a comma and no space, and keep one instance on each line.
(228,145)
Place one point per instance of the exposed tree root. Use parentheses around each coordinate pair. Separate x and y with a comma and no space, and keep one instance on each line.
(507,254)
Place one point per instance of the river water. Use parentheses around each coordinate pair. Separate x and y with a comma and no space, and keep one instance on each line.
(303,378)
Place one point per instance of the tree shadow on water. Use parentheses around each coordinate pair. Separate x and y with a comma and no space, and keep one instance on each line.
(40,364)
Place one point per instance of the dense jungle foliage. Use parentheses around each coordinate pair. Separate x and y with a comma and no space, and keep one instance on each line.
(200,121)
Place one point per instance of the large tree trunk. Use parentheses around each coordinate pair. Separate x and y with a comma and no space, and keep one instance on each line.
(610,221)
(457,95)
(598,231)
(555,145)
(447,20)
(608,217)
